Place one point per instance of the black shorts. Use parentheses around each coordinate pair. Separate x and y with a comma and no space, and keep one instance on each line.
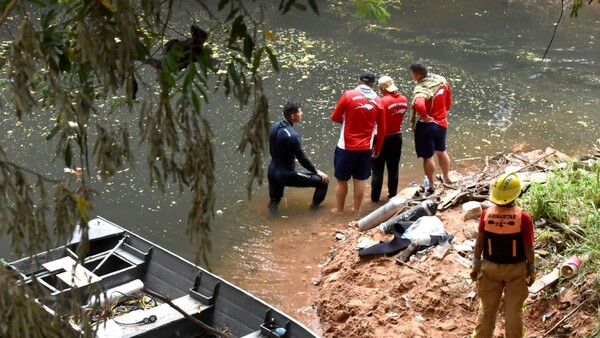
(352,164)
(429,138)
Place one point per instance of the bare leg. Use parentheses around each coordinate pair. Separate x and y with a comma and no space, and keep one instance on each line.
(341,190)
(359,193)
(444,161)
(429,168)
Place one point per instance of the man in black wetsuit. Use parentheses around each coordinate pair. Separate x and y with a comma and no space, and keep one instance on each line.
(285,148)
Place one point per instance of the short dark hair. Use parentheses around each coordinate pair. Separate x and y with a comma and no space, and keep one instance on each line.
(291,107)
(419,67)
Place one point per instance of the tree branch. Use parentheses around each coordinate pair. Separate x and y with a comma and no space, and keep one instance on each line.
(7,11)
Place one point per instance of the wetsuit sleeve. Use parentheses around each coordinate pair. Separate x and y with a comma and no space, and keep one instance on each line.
(338,112)
(421,107)
(527,228)
(296,148)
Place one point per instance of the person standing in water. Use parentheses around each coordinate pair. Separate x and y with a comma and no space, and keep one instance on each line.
(394,106)
(359,112)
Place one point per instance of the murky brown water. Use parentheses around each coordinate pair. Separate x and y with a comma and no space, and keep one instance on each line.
(503,95)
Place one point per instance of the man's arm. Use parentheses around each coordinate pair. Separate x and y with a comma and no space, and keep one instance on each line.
(421,109)
(448,96)
(380,137)
(340,108)
(296,148)
(528,237)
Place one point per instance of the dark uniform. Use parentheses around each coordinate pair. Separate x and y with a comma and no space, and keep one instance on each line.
(285,148)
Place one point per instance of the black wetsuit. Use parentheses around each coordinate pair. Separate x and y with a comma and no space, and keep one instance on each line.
(285,148)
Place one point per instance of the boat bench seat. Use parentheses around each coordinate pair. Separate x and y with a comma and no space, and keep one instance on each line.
(132,323)
(128,256)
(255,334)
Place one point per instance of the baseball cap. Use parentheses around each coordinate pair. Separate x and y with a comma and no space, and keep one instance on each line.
(387,83)
(367,77)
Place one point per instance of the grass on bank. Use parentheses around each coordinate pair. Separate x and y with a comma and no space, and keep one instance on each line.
(571,196)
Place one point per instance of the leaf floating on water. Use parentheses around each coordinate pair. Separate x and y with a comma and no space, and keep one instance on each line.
(583,123)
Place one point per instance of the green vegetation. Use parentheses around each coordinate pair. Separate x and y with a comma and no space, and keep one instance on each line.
(578,5)
(571,196)
(376,9)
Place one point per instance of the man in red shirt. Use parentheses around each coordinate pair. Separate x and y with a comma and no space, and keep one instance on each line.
(394,107)
(430,105)
(360,113)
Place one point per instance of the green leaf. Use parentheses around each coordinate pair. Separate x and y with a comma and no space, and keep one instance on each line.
(257,57)
(41,3)
(48,18)
(313,5)
(273,59)
(301,7)
(232,14)
(222,4)
(53,132)
(286,6)
(190,75)
(238,28)
(202,92)
(233,74)
(196,102)
(248,47)
(68,156)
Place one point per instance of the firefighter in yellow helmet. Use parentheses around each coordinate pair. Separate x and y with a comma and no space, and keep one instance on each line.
(505,239)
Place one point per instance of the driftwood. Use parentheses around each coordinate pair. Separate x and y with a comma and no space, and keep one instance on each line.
(565,228)
(412,267)
(197,322)
(476,186)
(567,316)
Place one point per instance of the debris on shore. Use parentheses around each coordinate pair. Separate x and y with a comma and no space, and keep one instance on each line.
(429,293)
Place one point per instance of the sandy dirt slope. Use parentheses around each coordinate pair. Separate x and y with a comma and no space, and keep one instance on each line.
(375,296)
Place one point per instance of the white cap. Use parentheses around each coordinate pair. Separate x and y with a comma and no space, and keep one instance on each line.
(386,83)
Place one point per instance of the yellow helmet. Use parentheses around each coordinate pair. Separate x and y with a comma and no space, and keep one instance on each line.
(505,188)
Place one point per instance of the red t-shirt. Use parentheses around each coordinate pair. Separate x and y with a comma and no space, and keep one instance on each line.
(437,107)
(526,226)
(359,117)
(394,107)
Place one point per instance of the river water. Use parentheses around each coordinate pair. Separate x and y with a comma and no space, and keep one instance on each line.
(504,96)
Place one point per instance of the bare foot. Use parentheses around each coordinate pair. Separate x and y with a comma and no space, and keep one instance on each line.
(337,211)
(444,180)
(356,213)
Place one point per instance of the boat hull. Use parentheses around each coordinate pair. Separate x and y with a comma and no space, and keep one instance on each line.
(120,262)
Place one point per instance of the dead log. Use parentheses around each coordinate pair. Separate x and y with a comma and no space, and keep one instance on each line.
(560,322)
(448,200)
(565,228)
